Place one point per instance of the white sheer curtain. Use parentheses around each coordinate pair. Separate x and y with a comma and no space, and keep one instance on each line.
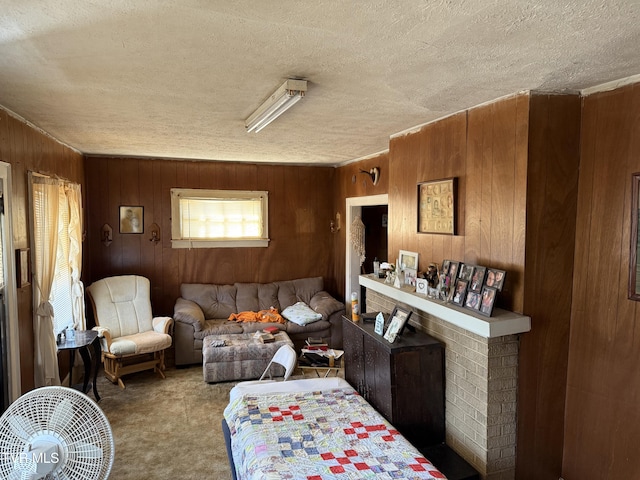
(74,201)
(45,204)
(58,292)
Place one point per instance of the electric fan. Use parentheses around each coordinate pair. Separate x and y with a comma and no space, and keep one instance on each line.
(55,433)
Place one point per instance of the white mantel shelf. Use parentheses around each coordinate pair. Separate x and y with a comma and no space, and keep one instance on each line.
(501,323)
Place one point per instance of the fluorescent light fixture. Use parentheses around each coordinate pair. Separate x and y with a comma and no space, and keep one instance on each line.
(280,101)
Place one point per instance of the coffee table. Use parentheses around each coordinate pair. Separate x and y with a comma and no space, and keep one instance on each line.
(242,357)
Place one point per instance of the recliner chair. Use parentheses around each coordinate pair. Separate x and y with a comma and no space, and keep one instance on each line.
(132,339)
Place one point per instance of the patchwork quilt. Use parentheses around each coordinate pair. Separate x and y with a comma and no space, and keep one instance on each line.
(332,434)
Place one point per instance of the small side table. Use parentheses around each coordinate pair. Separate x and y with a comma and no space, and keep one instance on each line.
(83,339)
(337,368)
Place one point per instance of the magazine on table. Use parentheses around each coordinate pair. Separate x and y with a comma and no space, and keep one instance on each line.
(330,352)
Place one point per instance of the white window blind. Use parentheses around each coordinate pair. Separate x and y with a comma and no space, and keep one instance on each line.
(61,299)
(219,218)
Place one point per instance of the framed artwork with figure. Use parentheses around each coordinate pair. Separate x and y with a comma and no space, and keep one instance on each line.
(131,219)
(437,206)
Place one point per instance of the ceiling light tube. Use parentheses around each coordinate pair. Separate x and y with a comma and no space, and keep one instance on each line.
(280,101)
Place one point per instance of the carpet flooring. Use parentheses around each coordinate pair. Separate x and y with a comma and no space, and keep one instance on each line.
(167,429)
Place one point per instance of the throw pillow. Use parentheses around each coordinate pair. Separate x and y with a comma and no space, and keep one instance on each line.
(301,313)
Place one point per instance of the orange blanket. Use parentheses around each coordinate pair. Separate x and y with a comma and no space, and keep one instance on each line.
(264,316)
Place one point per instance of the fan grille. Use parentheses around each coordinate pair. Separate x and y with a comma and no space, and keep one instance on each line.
(69,417)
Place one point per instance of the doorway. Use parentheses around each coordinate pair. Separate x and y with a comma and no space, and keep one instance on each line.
(355,207)
(9,337)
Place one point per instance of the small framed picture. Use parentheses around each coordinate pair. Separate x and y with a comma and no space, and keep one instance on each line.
(445,267)
(495,278)
(399,318)
(410,276)
(477,279)
(466,271)
(453,271)
(487,299)
(459,292)
(472,302)
(407,260)
(131,219)
(421,286)
(379,328)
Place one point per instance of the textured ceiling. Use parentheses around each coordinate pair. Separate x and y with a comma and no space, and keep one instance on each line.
(178,78)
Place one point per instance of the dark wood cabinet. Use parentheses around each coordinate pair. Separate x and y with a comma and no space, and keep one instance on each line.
(404,380)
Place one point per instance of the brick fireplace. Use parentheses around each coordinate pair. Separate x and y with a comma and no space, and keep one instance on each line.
(481,371)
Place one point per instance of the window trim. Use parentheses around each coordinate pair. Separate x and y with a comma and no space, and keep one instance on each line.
(178,241)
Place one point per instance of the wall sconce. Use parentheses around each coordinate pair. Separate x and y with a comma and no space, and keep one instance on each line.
(155,233)
(106,234)
(335,225)
(374,173)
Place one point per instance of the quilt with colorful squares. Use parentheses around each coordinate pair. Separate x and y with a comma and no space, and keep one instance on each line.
(332,434)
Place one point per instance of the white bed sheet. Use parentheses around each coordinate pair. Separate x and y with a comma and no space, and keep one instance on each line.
(303,385)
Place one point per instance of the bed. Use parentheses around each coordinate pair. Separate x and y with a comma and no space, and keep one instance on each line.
(314,429)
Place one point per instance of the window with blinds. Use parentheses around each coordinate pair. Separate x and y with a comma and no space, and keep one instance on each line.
(218,218)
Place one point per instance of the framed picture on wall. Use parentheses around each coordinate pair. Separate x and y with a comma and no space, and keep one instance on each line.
(131,219)
(437,206)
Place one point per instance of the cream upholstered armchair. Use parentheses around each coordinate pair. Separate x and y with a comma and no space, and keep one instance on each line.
(132,339)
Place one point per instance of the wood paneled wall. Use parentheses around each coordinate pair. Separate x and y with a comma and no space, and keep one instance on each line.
(350,183)
(552,185)
(300,208)
(486,149)
(28,149)
(603,386)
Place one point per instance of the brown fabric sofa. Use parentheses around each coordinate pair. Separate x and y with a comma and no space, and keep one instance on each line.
(204,309)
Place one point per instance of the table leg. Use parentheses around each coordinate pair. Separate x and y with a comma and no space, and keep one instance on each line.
(97,354)
(86,359)
(72,360)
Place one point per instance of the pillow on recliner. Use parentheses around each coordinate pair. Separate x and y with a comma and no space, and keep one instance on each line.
(301,313)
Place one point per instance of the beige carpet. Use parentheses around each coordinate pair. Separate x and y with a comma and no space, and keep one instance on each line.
(167,429)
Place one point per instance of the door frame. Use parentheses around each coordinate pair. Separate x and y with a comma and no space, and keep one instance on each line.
(352,263)
(11,292)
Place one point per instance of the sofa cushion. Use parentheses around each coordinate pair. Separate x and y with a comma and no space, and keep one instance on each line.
(308,330)
(300,290)
(216,301)
(301,314)
(219,327)
(325,304)
(253,297)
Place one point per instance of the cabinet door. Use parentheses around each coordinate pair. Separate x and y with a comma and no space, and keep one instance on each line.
(353,356)
(379,385)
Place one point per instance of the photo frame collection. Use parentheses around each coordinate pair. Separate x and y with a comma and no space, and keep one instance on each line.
(474,287)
